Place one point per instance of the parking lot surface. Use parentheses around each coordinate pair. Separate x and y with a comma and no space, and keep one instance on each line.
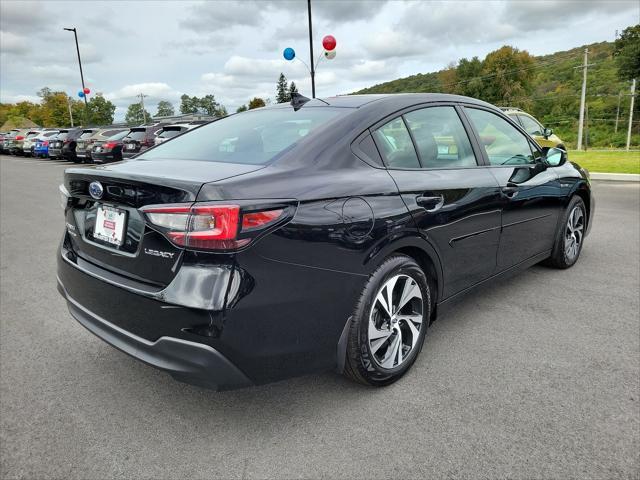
(534,377)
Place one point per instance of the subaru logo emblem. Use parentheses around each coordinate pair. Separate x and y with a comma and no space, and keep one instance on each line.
(96,190)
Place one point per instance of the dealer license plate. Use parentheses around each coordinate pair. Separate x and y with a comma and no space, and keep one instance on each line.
(110,223)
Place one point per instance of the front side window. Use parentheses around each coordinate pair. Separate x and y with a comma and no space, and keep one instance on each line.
(530,125)
(502,142)
(395,143)
(440,138)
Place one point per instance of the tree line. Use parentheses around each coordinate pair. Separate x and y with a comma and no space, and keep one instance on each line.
(547,86)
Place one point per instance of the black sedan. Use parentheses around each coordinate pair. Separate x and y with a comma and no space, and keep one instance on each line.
(110,150)
(321,235)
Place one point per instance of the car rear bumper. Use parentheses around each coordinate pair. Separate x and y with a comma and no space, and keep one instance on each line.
(102,157)
(55,152)
(191,362)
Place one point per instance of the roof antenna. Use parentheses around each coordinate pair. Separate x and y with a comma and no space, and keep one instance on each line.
(297,101)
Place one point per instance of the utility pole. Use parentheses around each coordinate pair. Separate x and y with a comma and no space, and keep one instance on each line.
(583,97)
(70,114)
(633,96)
(615,130)
(144,113)
(313,71)
(86,106)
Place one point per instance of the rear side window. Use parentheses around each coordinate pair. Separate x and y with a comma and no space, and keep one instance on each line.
(502,142)
(254,137)
(395,144)
(440,138)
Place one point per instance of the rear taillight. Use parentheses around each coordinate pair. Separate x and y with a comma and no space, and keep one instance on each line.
(110,145)
(45,143)
(211,227)
(20,137)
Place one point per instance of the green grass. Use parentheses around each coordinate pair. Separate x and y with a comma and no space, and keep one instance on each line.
(613,161)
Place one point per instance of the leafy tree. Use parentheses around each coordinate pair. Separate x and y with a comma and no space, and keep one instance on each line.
(627,53)
(135,114)
(292,89)
(101,110)
(508,75)
(282,94)
(467,78)
(241,108)
(222,111)
(209,105)
(165,109)
(189,104)
(256,102)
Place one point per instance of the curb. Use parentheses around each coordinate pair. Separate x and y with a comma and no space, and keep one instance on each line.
(615,177)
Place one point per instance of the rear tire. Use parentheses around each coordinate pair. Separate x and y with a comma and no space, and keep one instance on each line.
(389,323)
(570,235)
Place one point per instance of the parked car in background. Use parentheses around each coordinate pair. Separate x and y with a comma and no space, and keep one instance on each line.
(27,143)
(110,150)
(323,235)
(543,136)
(64,144)
(16,141)
(6,139)
(93,136)
(140,138)
(41,142)
(170,131)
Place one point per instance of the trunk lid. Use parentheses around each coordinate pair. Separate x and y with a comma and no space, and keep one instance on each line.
(142,253)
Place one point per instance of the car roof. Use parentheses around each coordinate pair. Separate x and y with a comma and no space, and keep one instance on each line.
(403,99)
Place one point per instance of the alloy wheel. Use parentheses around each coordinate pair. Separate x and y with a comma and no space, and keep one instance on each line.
(395,321)
(574,233)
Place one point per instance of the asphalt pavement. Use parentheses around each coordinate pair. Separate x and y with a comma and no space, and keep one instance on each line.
(537,376)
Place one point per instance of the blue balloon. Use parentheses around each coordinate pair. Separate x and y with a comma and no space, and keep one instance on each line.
(81,94)
(289,53)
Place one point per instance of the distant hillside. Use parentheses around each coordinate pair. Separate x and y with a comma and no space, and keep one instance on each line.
(554,93)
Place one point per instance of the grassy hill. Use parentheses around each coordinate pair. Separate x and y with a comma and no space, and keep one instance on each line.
(554,94)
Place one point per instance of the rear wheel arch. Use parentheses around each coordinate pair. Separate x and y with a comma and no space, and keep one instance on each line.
(423,253)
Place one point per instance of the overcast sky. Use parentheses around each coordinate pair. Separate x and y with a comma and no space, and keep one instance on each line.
(233,49)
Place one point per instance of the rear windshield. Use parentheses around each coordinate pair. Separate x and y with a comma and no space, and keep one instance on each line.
(62,135)
(169,132)
(111,133)
(86,134)
(32,134)
(119,136)
(49,134)
(137,134)
(250,137)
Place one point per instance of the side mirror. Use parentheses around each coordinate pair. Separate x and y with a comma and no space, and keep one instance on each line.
(556,157)
(547,132)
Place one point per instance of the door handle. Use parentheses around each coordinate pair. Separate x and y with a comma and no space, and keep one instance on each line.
(510,190)
(430,204)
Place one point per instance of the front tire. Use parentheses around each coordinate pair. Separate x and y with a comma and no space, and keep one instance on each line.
(570,235)
(389,323)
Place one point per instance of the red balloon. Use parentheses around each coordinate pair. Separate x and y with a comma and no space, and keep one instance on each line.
(329,42)
(86,91)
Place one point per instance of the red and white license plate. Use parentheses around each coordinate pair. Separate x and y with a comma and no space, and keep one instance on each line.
(110,225)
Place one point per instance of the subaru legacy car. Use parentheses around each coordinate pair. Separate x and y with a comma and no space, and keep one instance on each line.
(326,234)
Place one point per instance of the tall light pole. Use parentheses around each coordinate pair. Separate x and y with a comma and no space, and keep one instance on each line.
(144,113)
(633,95)
(86,106)
(583,97)
(313,71)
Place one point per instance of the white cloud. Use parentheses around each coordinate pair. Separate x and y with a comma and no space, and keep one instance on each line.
(154,91)
(13,44)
